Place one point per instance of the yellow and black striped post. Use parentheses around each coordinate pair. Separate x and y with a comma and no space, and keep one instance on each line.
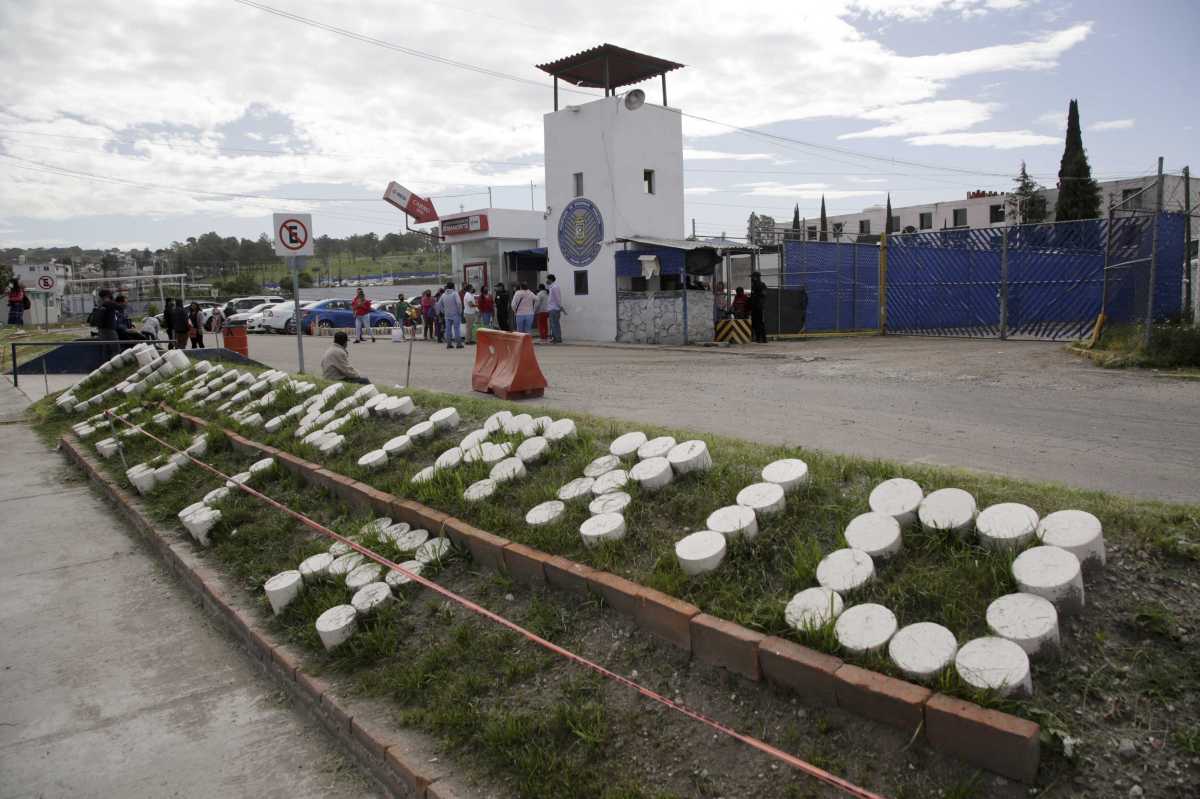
(736,331)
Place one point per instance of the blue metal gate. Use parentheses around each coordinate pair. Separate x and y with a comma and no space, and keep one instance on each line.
(842,282)
(1051,276)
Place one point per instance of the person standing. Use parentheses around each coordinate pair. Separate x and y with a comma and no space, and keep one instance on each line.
(168,324)
(362,316)
(428,314)
(741,304)
(470,312)
(195,327)
(487,307)
(216,323)
(758,302)
(555,309)
(523,304)
(451,308)
(106,323)
(18,302)
(502,307)
(178,324)
(802,306)
(151,327)
(540,316)
(121,321)
(335,363)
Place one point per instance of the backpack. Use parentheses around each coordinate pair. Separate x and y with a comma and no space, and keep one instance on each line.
(95,316)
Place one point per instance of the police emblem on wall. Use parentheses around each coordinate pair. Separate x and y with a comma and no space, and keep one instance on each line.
(580,232)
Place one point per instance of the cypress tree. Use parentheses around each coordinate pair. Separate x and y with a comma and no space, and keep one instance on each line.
(888,227)
(796,222)
(824,229)
(1078,194)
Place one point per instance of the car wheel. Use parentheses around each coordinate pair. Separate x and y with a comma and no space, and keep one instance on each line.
(289,327)
(324,323)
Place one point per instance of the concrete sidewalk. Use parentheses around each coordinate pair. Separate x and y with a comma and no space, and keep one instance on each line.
(114,683)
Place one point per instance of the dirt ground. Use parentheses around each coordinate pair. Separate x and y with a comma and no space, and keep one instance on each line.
(1022,409)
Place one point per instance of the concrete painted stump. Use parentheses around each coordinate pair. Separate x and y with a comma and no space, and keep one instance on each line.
(445,418)
(432,551)
(409,540)
(922,650)
(395,579)
(274,424)
(579,488)
(612,502)
(347,403)
(652,474)
(363,574)
(263,465)
(877,534)
(337,424)
(1052,573)
(420,431)
(656,448)
(762,498)
(331,444)
(995,664)
(516,425)
(1078,532)
(371,596)
(450,459)
(948,509)
(545,513)
(689,456)
(397,445)
(315,567)
(508,469)
(495,423)
(1007,525)
(626,446)
(345,564)
(605,463)
(533,449)
(845,570)
(812,609)
(602,527)
(700,552)
(480,490)
(472,440)
(423,476)
(610,481)
(336,625)
(899,498)
(375,527)
(865,628)
(491,454)
(216,495)
(374,459)
(560,429)
(339,548)
(283,588)
(733,521)
(788,473)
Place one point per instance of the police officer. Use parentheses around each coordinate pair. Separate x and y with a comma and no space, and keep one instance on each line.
(758,301)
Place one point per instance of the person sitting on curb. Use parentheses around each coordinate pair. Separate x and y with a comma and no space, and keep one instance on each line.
(335,363)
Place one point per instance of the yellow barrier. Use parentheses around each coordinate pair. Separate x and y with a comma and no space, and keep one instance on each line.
(735,331)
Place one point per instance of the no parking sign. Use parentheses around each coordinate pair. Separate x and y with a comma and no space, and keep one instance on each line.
(293,234)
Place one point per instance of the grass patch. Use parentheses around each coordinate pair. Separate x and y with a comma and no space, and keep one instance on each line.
(1173,345)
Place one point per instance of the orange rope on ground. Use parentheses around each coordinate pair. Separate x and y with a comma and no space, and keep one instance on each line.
(800,765)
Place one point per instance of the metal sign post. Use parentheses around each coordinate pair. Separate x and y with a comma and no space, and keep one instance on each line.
(294,237)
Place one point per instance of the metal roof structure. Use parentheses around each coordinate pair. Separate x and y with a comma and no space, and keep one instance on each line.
(688,244)
(608,67)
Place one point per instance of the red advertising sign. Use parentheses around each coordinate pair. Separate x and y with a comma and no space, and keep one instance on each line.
(462,225)
(419,208)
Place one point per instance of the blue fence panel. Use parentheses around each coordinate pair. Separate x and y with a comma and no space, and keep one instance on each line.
(842,281)
(945,282)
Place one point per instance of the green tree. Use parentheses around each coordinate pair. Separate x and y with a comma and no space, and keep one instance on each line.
(752,228)
(1078,194)
(305,280)
(888,226)
(1026,201)
(824,228)
(796,229)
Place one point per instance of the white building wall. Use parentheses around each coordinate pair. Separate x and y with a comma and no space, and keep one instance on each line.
(508,229)
(611,146)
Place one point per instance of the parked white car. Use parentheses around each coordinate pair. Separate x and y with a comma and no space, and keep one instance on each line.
(252,318)
(241,304)
(281,318)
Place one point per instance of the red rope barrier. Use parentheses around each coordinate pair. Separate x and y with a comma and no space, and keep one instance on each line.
(800,765)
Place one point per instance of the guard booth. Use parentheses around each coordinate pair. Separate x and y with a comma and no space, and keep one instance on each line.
(525,266)
(479,241)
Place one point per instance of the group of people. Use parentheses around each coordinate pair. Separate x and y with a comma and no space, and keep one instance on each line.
(744,306)
(451,316)
(182,323)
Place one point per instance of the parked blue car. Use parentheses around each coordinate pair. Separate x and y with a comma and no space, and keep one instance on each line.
(337,313)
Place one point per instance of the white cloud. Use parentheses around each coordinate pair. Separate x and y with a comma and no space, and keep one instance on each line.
(700,190)
(920,9)
(803,191)
(713,155)
(856,179)
(1052,119)
(938,116)
(998,139)
(1112,124)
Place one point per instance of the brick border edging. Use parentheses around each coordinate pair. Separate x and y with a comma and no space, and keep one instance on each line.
(377,753)
(999,742)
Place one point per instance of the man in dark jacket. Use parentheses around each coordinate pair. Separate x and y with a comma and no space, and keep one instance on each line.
(167,323)
(106,325)
(758,301)
(802,306)
(503,312)
(177,324)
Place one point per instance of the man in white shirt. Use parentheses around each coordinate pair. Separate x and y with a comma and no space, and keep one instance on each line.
(470,312)
(554,306)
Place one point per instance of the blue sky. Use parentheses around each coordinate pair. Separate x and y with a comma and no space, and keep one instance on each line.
(174,119)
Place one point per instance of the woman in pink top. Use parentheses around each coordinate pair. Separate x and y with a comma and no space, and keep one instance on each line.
(523,304)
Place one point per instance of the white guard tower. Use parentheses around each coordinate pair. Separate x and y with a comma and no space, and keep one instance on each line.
(614,169)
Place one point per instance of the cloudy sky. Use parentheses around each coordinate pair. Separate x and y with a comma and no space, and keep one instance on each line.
(135,124)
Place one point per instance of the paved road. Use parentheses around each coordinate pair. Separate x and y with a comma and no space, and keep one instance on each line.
(1025,409)
(113,683)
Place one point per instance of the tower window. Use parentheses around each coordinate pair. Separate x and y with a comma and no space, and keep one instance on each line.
(578,184)
(648,180)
